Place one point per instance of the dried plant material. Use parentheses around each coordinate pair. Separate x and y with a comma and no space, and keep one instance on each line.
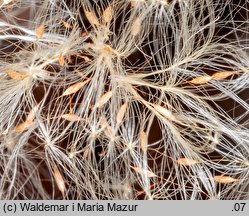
(61,60)
(29,122)
(165,2)
(71,117)
(134,3)
(80,73)
(86,154)
(107,50)
(5,2)
(225,179)
(32,113)
(200,80)
(69,60)
(222,75)
(142,171)
(104,99)
(92,18)
(66,25)
(165,112)
(143,141)
(107,14)
(10,144)
(16,75)
(186,161)
(136,26)
(59,179)
(23,126)
(85,58)
(74,88)
(121,113)
(102,154)
(107,129)
(84,34)
(40,31)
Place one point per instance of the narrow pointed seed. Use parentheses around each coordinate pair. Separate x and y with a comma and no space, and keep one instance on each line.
(225,179)
(186,161)
(143,141)
(59,179)
(61,60)
(92,18)
(103,99)
(142,171)
(16,75)
(107,14)
(74,88)
(200,80)
(121,113)
(40,31)
(71,117)
(136,26)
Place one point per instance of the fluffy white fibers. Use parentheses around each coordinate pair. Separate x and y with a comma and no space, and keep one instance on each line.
(124,99)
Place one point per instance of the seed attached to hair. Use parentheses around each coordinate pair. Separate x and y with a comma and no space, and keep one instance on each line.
(71,117)
(61,60)
(121,113)
(16,75)
(225,179)
(40,31)
(74,88)
(136,26)
(29,122)
(222,75)
(92,18)
(107,14)
(59,179)
(23,126)
(200,80)
(142,171)
(104,99)
(143,141)
(66,25)
(85,58)
(107,129)
(186,161)
(165,112)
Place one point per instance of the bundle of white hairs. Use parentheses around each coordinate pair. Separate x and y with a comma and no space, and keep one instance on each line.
(124,99)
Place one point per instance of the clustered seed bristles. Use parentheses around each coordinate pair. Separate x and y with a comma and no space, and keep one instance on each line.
(114,99)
